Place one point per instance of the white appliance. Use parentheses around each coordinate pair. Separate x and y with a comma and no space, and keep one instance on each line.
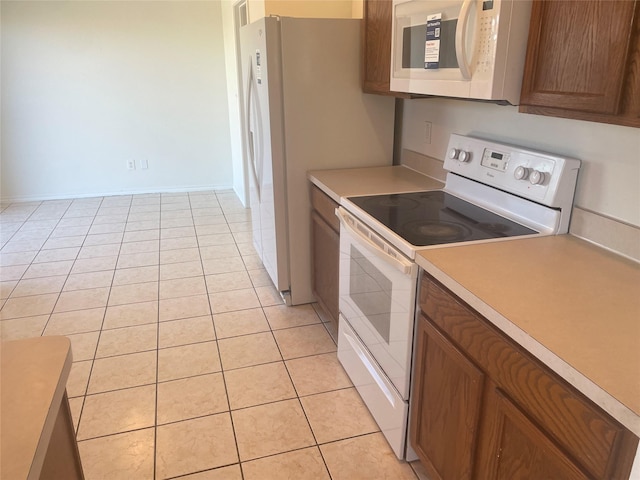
(460,48)
(304,110)
(493,192)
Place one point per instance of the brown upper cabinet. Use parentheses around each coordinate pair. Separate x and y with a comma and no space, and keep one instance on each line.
(583,61)
(376,43)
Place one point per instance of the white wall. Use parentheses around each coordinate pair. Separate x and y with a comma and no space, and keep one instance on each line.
(87,86)
(609,180)
(234,94)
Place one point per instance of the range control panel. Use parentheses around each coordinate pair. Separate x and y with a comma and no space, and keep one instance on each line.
(539,176)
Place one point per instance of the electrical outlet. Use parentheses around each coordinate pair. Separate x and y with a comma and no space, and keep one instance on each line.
(131,164)
(427,132)
(144,164)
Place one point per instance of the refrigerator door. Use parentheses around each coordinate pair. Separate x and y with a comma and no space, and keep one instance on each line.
(260,49)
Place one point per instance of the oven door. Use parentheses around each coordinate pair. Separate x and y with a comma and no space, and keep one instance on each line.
(377,289)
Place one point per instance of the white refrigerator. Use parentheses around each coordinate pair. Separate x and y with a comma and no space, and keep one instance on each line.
(304,110)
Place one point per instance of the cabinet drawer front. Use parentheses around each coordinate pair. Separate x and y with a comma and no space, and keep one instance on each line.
(325,207)
(570,419)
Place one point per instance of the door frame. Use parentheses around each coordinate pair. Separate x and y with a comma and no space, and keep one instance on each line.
(241,18)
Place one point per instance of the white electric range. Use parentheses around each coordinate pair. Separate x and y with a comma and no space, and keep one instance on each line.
(493,192)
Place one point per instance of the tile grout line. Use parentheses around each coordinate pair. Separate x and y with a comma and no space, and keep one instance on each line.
(222,369)
(104,315)
(155,413)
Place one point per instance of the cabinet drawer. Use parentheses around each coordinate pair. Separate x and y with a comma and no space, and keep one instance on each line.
(602,446)
(325,206)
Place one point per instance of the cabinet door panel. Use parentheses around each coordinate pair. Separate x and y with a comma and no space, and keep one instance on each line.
(446,405)
(517,449)
(326,259)
(600,444)
(377,41)
(577,52)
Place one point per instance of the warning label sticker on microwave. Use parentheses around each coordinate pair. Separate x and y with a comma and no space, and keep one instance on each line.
(432,43)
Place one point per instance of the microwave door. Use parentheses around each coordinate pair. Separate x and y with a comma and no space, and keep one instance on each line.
(457,35)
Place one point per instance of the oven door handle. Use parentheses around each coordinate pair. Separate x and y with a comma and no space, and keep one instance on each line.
(404,266)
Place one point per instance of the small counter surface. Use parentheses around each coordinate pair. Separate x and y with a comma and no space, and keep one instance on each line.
(34,374)
(573,305)
(371,181)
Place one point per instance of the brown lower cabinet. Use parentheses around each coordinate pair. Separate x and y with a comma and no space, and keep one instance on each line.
(484,408)
(325,252)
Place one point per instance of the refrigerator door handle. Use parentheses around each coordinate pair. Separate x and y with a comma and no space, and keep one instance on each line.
(253,160)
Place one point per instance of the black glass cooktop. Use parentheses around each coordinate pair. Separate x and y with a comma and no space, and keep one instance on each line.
(437,217)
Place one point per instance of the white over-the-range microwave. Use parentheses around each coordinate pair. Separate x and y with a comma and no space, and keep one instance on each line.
(466,49)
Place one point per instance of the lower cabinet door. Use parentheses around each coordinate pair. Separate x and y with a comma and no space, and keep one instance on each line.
(325,258)
(446,406)
(517,449)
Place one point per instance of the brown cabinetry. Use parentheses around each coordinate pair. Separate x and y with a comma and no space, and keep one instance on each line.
(583,61)
(376,42)
(325,254)
(448,413)
(502,414)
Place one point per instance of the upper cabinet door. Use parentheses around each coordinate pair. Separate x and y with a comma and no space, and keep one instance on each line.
(377,47)
(582,60)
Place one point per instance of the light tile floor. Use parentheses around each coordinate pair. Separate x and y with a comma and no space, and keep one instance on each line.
(186,363)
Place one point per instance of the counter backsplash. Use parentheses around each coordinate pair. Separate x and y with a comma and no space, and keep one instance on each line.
(432,167)
(614,235)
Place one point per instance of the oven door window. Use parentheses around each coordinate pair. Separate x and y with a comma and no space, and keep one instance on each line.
(371,291)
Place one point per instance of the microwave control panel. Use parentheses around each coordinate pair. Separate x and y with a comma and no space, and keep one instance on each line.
(487,35)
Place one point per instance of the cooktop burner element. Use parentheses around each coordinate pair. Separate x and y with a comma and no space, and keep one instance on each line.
(442,231)
(437,217)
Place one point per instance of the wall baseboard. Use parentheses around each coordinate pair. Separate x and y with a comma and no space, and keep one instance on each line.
(146,191)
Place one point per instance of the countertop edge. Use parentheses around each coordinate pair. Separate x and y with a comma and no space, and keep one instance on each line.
(378,181)
(55,343)
(620,412)
(324,188)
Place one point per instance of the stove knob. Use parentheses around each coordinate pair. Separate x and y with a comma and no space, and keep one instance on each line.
(453,153)
(464,156)
(536,177)
(521,173)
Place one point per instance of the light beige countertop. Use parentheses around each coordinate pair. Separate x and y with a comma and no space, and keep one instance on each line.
(34,374)
(371,181)
(572,304)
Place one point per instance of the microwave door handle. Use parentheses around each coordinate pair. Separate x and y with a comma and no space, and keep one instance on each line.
(461,39)
(402,265)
